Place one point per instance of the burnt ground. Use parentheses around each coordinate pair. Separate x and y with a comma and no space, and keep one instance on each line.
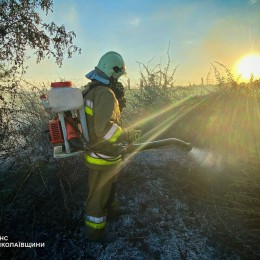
(181,206)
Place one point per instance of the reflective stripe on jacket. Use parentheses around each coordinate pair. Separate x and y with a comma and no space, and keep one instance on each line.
(101,159)
(103,115)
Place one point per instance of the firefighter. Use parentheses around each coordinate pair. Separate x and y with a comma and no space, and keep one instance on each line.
(104,102)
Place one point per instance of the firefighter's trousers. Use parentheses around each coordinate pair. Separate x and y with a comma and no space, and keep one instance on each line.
(101,196)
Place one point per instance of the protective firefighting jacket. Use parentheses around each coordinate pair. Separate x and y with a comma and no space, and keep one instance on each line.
(103,120)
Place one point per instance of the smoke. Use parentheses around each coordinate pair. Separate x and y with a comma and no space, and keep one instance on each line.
(207,159)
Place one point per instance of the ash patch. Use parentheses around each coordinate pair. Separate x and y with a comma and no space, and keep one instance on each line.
(162,223)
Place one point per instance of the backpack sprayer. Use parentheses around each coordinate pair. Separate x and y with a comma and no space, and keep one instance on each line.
(68,104)
(69,126)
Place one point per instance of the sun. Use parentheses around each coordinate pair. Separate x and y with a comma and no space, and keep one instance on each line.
(247,66)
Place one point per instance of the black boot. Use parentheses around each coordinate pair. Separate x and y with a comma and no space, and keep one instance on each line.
(94,234)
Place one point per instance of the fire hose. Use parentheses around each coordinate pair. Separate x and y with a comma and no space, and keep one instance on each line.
(136,147)
(122,149)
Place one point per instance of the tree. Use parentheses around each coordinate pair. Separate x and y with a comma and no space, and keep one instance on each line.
(21,29)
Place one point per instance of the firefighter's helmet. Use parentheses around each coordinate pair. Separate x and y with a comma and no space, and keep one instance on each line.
(112,64)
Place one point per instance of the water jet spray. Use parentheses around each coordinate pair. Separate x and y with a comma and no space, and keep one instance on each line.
(207,158)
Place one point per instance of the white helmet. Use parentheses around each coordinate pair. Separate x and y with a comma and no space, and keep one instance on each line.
(112,64)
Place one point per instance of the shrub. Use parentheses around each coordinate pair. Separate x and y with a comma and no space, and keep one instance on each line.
(155,90)
(227,84)
(23,121)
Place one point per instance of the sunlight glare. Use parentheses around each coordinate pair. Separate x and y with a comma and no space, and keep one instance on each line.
(247,66)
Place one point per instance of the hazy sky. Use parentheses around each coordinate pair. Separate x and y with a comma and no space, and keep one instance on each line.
(199,32)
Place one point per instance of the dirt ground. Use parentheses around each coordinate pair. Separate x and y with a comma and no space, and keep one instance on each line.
(179,203)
